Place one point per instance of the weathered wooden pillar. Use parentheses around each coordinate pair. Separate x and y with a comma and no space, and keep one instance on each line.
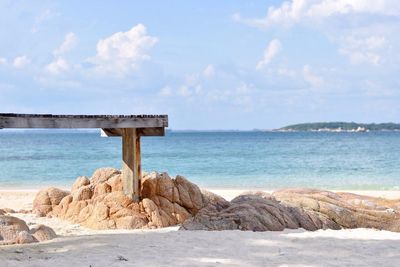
(131,165)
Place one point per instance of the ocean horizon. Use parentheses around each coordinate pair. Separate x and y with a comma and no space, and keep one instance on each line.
(212,159)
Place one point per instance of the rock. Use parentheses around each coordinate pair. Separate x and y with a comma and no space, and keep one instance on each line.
(103,174)
(102,204)
(15,231)
(214,200)
(249,212)
(43,233)
(347,210)
(189,194)
(98,217)
(165,187)
(102,189)
(155,217)
(115,182)
(79,182)
(298,208)
(46,199)
(135,221)
(2,212)
(10,227)
(8,210)
(25,238)
(99,203)
(83,193)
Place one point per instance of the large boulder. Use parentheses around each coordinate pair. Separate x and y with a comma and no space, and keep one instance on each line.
(298,208)
(347,210)
(46,199)
(10,227)
(99,202)
(42,233)
(254,212)
(15,231)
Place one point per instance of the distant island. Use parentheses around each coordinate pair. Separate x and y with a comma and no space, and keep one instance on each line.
(340,127)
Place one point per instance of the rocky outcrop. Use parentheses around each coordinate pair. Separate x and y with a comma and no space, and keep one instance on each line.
(16,231)
(99,202)
(299,208)
(347,210)
(46,199)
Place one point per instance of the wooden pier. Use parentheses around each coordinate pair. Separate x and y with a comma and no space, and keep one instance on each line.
(129,127)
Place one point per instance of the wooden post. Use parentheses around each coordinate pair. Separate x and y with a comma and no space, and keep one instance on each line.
(131,166)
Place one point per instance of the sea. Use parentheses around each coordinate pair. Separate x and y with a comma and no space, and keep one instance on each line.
(217,160)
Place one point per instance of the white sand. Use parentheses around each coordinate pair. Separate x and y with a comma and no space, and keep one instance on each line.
(78,246)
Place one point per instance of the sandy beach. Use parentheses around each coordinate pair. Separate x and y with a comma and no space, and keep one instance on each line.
(79,246)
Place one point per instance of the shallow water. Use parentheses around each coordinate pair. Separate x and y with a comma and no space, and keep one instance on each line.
(267,160)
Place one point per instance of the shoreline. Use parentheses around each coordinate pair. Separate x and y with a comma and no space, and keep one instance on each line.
(21,198)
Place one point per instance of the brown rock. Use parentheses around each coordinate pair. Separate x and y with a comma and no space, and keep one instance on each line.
(294,208)
(73,210)
(165,187)
(10,227)
(101,189)
(154,215)
(43,233)
(131,222)
(115,182)
(99,217)
(102,175)
(25,238)
(85,213)
(189,194)
(46,199)
(79,182)
(83,193)
(149,185)
(101,204)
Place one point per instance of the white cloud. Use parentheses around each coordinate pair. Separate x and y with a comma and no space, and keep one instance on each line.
(121,52)
(273,48)
(165,91)
(58,66)
(69,43)
(209,71)
(370,25)
(295,11)
(327,8)
(21,61)
(310,77)
(46,15)
(3,61)
(363,50)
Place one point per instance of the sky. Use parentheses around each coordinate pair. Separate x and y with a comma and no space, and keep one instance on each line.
(207,64)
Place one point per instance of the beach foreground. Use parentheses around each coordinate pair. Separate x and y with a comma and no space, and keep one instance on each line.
(79,246)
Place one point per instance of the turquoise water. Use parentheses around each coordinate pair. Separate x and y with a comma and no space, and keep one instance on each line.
(267,160)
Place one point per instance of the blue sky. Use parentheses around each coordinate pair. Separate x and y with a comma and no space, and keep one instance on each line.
(207,64)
